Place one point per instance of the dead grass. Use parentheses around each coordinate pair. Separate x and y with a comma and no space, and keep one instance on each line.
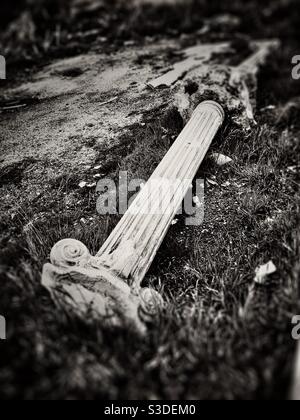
(203,348)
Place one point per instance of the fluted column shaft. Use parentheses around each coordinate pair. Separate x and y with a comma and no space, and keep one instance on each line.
(132,246)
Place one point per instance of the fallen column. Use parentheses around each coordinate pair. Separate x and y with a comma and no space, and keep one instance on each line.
(108,285)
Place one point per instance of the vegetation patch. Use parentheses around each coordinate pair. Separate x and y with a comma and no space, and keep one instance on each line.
(206,345)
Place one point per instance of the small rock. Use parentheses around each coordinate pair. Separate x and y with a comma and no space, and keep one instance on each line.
(129,43)
(220,159)
(264,271)
(270,220)
(268,108)
(82,184)
(226,184)
(212,182)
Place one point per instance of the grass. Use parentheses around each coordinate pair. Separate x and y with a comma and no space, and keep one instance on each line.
(203,347)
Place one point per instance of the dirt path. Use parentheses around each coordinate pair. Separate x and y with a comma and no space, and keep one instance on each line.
(73,101)
(69,111)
